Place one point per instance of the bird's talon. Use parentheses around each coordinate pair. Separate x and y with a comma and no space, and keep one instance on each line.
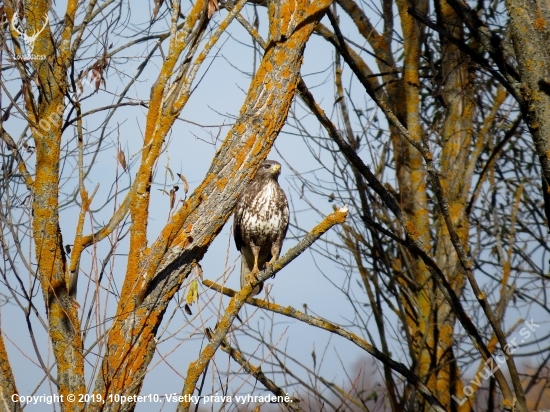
(252,276)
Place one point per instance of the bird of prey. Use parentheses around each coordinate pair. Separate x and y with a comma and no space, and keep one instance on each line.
(261,221)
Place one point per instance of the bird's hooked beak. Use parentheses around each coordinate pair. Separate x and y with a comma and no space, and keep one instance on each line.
(277,169)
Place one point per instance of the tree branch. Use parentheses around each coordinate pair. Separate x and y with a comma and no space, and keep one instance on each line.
(197,367)
(413,242)
(338,330)
(256,371)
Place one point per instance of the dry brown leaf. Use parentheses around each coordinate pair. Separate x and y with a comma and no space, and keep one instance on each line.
(98,69)
(24,88)
(21,10)
(170,171)
(3,17)
(121,159)
(158,4)
(172,198)
(6,114)
(185,184)
(188,310)
(212,7)
(80,88)
(97,82)
(199,271)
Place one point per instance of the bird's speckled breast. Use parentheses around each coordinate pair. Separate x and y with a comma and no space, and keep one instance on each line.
(264,216)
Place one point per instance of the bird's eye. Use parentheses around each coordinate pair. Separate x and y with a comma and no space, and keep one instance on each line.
(267,166)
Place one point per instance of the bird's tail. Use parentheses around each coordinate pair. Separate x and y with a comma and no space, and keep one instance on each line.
(245,271)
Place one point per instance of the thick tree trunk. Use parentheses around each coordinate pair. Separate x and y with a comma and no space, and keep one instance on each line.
(530,26)
(131,342)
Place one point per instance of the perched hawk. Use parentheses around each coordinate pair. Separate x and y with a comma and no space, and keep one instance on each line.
(260,221)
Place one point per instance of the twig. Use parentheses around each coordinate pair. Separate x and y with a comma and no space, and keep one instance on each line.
(197,367)
(414,241)
(238,357)
(333,328)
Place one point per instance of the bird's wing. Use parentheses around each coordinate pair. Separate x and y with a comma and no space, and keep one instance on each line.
(285,212)
(237,218)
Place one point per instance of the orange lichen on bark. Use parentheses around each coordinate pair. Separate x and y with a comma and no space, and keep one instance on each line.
(411,230)
(7,381)
(157,126)
(139,206)
(177,45)
(262,117)
(338,216)
(456,136)
(411,75)
(238,300)
(64,326)
(540,24)
(413,184)
(433,310)
(65,45)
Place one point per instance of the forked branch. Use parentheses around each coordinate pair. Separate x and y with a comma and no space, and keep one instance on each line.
(198,367)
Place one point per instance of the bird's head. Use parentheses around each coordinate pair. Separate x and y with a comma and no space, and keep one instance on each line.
(269,169)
